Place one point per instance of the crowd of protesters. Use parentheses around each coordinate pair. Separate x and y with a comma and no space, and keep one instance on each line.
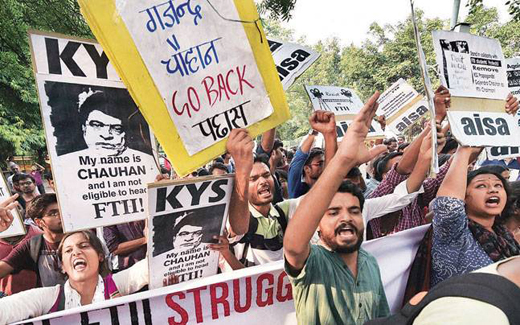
(311,207)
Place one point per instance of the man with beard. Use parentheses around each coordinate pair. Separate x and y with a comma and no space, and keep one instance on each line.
(335,282)
(39,253)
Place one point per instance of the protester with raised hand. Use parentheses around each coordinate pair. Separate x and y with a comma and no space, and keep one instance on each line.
(88,281)
(335,282)
(466,231)
(308,163)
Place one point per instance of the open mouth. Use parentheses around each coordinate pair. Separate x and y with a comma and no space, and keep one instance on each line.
(346,232)
(492,201)
(79,264)
(264,192)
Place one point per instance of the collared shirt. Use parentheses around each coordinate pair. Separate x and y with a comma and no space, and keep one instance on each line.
(371,185)
(295,185)
(118,234)
(413,215)
(326,292)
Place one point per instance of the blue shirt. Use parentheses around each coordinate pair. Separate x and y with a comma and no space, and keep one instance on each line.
(296,186)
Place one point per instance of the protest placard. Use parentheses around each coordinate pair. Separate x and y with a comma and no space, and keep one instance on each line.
(291,60)
(474,70)
(375,131)
(17,228)
(402,106)
(342,101)
(185,215)
(100,146)
(513,76)
(195,69)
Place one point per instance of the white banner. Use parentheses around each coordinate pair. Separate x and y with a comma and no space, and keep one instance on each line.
(339,100)
(17,228)
(291,60)
(100,146)
(202,65)
(375,131)
(185,215)
(471,66)
(256,295)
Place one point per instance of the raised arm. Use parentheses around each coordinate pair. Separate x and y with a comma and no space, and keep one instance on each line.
(325,123)
(240,146)
(267,142)
(312,207)
(454,184)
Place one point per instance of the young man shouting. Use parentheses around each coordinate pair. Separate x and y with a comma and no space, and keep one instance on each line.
(335,282)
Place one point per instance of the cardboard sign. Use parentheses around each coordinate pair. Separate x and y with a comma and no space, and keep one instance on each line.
(375,131)
(474,70)
(342,101)
(513,75)
(471,66)
(101,149)
(17,228)
(291,60)
(402,106)
(195,69)
(184,217)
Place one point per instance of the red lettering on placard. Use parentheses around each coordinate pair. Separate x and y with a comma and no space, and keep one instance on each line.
(242,80)
(193,99)
(209,90)
(197,302)
(215,301)
(269,291)
(178,308)
(279,292)
(227,83)
(236,295)
(222,87)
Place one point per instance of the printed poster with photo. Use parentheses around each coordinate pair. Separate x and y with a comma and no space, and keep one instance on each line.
(101,148)
(402,106)
(17,228)
(473,68)
(291,60)
(185,216)
(342,101)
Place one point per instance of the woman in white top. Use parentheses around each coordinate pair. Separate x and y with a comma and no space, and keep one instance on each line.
(89,281)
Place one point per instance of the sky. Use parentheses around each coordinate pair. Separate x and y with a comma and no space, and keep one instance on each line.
(350,20)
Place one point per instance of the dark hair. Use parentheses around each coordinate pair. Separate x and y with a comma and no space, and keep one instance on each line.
(388,141)
(94,242)
(218,160)
(499,169)
(21,177)
(354,172)
(443,158)
(402,146)
(451,144)
(515,194)
(262,158)
(109,105)
(289,155)
(277,144)
(349,187)
(202,172)
(39,204)
(382,167)
(315,152)
(281,174)
(217,165)
(485,170)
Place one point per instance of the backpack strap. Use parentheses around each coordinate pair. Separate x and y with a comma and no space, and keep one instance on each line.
(489,288)
(246,240)
(35,246)
(282,218)
(59,304)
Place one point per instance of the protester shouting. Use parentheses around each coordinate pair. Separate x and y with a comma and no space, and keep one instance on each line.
(88,281)
(335,282)
(467,234)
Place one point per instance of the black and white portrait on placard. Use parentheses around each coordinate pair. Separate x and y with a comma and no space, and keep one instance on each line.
(187,230)
(100,121)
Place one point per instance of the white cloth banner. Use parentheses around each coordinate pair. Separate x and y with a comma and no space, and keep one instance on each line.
(291,60)
(255,295)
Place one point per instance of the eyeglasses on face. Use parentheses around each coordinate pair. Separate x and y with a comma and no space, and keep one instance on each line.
(97,125)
